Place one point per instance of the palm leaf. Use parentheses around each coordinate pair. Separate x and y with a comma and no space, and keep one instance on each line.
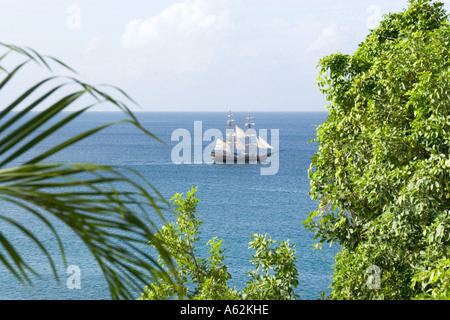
(111,209)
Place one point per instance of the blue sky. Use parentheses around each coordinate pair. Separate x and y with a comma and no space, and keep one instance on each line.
(198,55)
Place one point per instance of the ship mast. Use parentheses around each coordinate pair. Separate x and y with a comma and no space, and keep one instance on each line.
(230,131)
(248,140)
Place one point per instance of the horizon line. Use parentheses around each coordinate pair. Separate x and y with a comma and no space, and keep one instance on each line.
(212,111)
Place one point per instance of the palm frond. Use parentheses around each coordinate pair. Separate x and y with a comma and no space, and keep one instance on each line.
(111,209)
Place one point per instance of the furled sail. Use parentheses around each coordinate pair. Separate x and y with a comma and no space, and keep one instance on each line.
(262,144)
(222,145)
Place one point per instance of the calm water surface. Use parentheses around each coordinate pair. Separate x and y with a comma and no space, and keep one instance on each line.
(236,200)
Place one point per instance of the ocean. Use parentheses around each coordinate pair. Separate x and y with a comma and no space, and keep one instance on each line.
(236,200)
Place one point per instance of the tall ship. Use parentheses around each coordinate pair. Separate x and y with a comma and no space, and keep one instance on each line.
(240,146)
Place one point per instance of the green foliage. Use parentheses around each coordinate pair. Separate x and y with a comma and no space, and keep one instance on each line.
(382,171)
(107,207)
(433,281)
(275,275)
(268,285)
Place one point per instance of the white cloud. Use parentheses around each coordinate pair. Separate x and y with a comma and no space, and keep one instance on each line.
(180,38)
(91,46)
(330,38)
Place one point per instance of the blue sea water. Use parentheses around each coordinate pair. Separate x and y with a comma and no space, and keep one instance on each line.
(236,200)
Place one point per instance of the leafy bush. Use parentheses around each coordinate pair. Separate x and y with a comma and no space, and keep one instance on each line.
(382,171)
(274,277)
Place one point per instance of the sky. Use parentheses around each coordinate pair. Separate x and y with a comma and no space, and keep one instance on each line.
(198,55)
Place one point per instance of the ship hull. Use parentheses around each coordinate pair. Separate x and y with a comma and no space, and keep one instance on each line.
(221,158)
